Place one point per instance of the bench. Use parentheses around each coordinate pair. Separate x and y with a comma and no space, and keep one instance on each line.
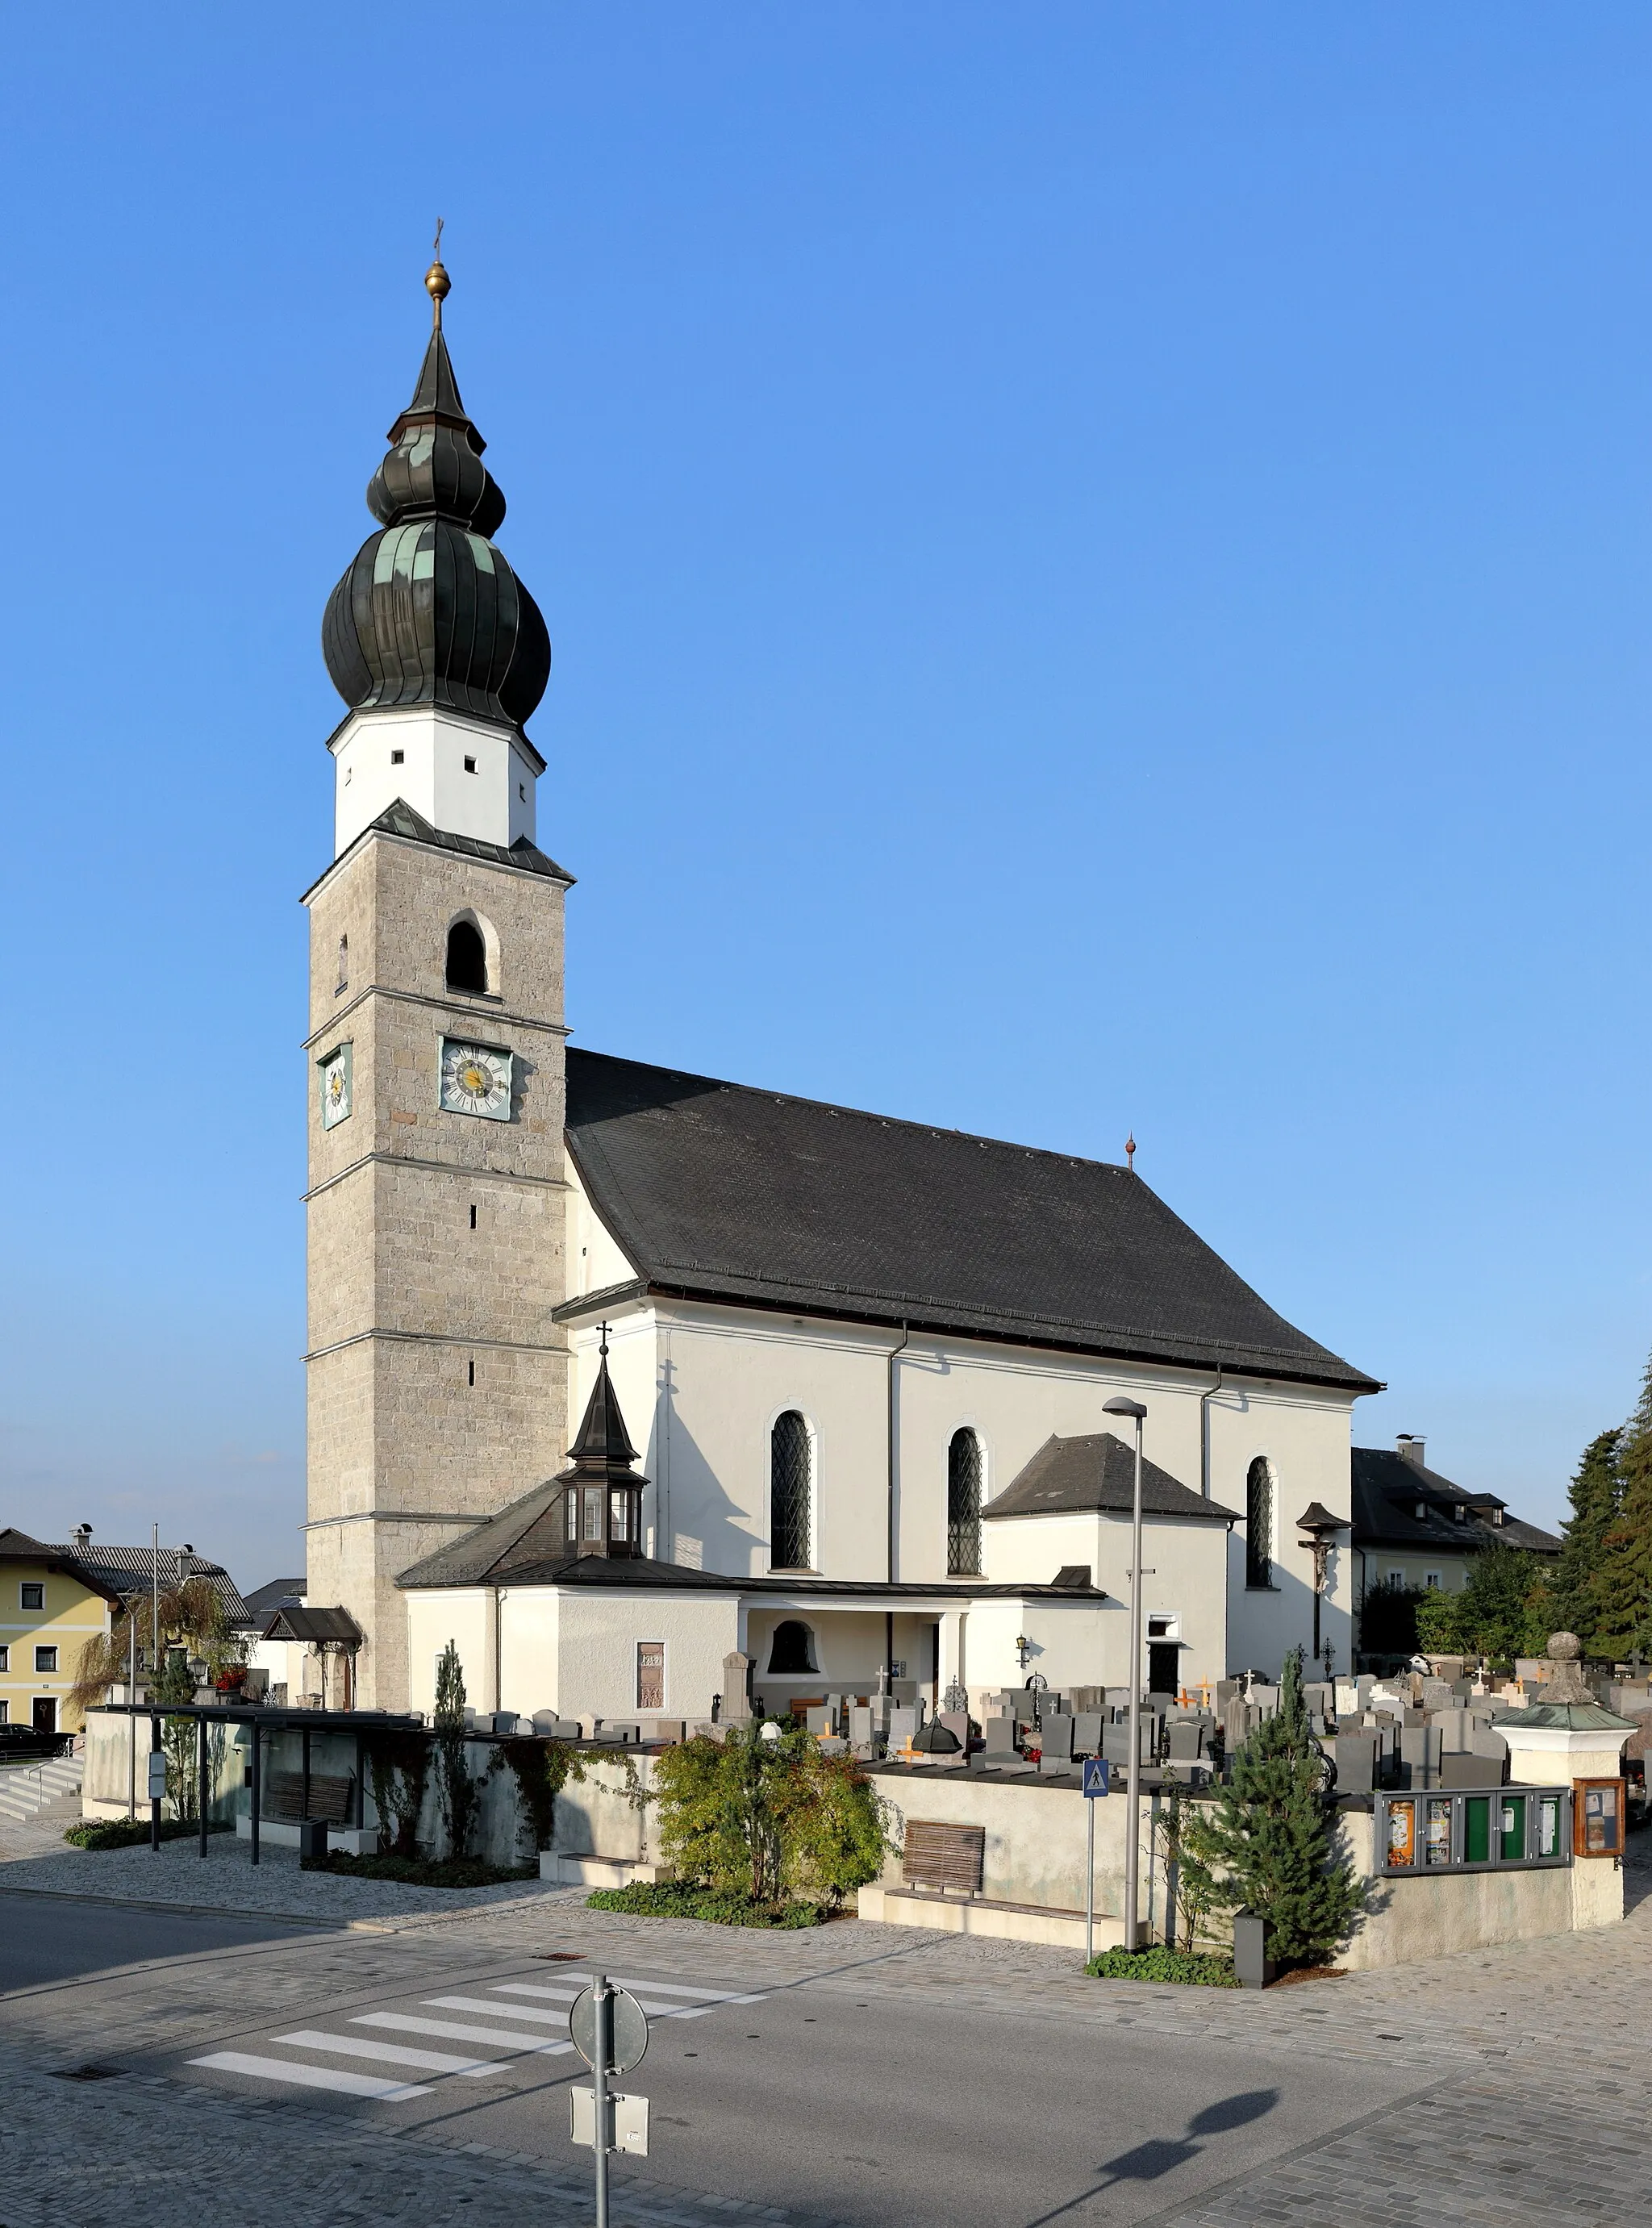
(946,1857)
(331,1797)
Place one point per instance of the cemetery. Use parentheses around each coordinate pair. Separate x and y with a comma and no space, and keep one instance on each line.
(1478,1812)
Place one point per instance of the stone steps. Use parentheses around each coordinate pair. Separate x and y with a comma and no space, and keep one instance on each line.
(27,1789)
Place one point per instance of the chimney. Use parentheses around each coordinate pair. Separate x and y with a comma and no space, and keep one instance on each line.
(82,1538)
(1411,1449)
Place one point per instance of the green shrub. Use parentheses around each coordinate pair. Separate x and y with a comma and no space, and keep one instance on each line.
(767,1822)
(420,1872)
(1187,1968)
(722,1907)
(129,1833)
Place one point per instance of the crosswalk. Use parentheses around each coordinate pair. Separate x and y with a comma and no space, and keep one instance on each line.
(518,2020)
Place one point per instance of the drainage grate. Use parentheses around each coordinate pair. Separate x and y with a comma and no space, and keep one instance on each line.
(559,1956)
(87,2072)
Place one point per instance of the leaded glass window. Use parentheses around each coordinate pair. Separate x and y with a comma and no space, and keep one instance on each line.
(790,1516)
(1258,1523)
(963,1506)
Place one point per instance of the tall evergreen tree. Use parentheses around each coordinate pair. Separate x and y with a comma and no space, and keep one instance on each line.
(1623,1587)
(1594,1493)
(1266,1843)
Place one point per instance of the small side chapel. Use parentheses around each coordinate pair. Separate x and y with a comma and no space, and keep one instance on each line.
(631,1382)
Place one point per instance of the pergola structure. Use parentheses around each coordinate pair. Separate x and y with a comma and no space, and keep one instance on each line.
(358,1724)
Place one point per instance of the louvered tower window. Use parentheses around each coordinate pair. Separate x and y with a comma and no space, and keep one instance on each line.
(963,1506)
(1258,1524)
(790,1525)
(467,958)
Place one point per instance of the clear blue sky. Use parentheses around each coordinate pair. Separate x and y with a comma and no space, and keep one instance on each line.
(1098,564)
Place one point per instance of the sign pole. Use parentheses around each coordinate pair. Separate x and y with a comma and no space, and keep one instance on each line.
(599,2074)
(1089,1881)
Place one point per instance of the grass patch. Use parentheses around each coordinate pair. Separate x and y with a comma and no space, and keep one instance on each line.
(130,1833)
(674,1899)
(420,1872)
(1188,1969)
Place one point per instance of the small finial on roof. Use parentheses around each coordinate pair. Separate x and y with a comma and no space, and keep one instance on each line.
(1130,1151)
(438,285)
(603,1349)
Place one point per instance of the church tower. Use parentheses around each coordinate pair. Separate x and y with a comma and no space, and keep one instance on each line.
(436,1209)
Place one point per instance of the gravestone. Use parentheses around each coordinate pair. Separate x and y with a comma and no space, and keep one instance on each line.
(956,1722)
(903,1724)
(1463,1770)
(1419,1755)
(1436,1694)
(1057,1743)
(1085,1701)
(737,1671)
(1265,1699)
(1454,1728)
(999,1733)
(1356,1757)
(1086,1733)
(1225,1690)
(1317,1696)
(818,1719)
(545,1721)
(1115,1745)
(1187,1742)
(1237,1721)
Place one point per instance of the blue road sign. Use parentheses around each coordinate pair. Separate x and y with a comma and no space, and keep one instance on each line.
(1095,1775)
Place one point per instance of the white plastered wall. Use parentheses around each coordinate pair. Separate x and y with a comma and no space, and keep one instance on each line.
(435,1616)
(495,804)
(701,1385)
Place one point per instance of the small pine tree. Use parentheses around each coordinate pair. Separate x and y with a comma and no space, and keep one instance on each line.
(1595,1494)
(456,1791)
(1265,1844)
(1622,1585)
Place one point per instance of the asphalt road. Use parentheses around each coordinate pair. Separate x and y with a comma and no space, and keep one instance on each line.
(933,2112)
(42,1941)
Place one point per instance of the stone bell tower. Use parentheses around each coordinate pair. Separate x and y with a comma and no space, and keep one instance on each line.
(437,1379)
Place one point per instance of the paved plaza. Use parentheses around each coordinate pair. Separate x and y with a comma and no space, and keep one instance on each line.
(323,2057)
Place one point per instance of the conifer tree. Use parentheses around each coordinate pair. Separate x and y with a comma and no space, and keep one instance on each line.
(1594,1493)
(1623,1587)
(1265,1844)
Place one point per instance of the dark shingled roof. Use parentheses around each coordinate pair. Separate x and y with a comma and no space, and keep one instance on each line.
(1097,1470)
(315,1625)
(719,1192)
(1387,1489)
(276,1593)
(520,1545)
(401,819)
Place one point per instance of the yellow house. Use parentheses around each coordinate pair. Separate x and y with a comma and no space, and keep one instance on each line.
(49,1608)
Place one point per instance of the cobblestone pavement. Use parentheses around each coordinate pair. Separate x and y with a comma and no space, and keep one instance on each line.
(1529,2105)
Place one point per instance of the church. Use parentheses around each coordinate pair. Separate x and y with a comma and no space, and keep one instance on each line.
(633,1383)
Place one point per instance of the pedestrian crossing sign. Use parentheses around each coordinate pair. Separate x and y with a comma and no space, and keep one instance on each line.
(1095,1775)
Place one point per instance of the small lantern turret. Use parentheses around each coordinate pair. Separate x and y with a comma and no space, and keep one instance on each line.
(602,1493)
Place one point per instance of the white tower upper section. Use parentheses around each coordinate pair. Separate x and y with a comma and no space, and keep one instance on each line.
(467,777)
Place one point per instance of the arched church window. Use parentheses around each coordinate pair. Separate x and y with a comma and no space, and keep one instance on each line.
(467,958)
(790,1526)
(792,1651)
(963,1506)
(1258,1523)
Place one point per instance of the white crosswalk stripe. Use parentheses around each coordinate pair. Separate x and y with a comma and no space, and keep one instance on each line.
(391,2053)
(497,2010)
(515,2033)
(310,2077)
(405,2023)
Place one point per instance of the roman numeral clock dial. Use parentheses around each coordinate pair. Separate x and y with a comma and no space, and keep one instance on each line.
(476,1079)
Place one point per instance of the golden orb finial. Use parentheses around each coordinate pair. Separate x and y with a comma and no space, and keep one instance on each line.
(438,285)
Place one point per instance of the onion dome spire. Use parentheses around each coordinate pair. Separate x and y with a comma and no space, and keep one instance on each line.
(430,613)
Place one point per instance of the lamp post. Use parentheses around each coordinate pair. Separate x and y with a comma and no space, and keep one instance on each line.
(1120,1407)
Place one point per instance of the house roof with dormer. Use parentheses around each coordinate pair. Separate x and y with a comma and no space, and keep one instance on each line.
(1398,1502)
(719,1192)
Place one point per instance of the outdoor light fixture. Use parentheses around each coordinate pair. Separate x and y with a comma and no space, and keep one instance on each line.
(1023,1649)
(1118,1406)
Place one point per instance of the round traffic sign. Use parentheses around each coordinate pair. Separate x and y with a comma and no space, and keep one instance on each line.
(627,2029)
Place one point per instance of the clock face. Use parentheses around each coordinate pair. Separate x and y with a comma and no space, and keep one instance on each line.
(476,1079)
(336,1099)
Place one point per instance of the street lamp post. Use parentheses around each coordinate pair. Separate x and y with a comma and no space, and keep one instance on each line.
(1120,1407)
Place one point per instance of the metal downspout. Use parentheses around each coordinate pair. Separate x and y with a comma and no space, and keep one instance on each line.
(1205,1399)
(893,1468)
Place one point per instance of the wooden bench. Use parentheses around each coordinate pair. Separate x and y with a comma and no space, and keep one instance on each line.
(331,1797)
(947,1857)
